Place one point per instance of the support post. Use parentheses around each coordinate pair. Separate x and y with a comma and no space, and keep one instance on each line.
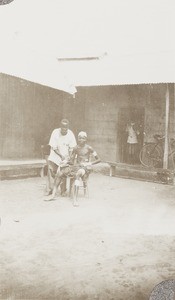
(165,157)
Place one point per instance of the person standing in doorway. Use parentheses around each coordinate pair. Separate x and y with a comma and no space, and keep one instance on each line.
(132,142)
(62,142)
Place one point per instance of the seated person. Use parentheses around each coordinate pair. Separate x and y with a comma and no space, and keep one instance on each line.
(80,159)
(82,154)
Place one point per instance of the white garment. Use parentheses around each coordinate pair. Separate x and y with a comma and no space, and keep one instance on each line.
(132,136)
(63,143)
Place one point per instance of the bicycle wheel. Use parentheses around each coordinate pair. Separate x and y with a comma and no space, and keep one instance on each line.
(151,155)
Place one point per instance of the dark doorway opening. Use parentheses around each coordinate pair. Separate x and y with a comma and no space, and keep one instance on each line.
(130,133)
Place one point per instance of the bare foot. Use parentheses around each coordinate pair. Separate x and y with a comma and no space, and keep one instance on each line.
(50,198)
(47,193)
(64,194)
(75,203)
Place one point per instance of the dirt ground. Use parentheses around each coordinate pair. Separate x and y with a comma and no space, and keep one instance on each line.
(118,244)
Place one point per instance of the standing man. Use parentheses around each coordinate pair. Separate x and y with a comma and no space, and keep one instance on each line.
(62,142)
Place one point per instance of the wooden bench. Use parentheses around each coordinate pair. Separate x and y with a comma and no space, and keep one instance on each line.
(20,168)
(143,173)
(112,166)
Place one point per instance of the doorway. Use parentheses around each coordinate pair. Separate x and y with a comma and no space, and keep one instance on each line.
(126,116)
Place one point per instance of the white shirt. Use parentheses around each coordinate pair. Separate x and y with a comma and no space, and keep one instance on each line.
(132,136)
(63,143)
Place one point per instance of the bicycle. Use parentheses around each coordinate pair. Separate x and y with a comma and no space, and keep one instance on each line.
(151,154)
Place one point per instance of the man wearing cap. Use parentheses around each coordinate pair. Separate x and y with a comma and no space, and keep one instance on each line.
(83,153)
(62,142)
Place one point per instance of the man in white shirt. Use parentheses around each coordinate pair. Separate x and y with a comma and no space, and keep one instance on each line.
(62,142)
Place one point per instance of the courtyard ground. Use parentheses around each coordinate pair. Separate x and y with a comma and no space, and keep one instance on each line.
(118,244)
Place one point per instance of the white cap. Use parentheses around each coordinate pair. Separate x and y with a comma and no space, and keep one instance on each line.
(82,134)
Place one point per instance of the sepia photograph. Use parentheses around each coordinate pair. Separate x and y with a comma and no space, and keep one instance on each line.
(87,150)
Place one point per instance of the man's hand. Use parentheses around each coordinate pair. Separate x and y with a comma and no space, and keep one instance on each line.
(64,163)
